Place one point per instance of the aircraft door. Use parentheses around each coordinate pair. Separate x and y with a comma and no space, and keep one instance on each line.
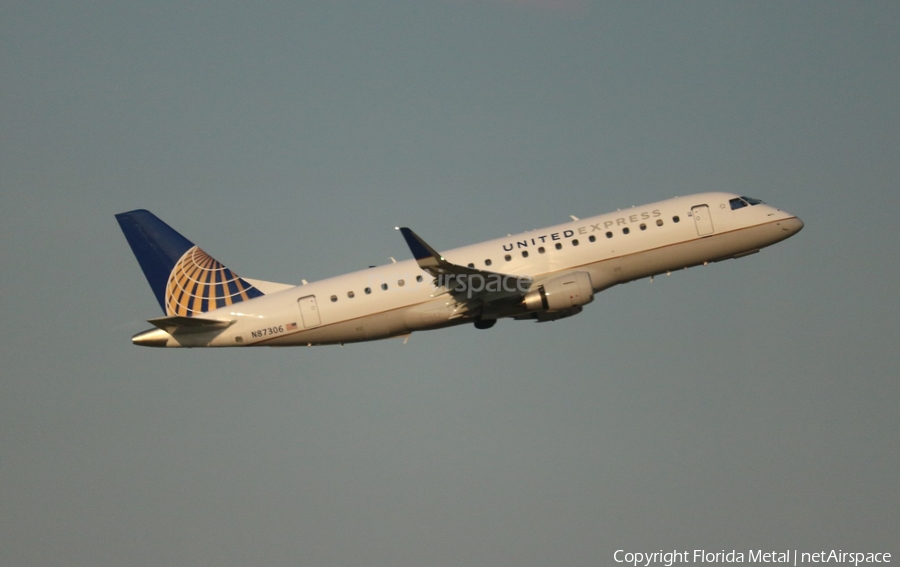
(702,220)
(309,311)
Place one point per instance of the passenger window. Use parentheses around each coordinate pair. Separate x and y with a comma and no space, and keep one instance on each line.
(559,246)
(488,262)
(609,235)
(592,238)
(333,298)
(471,265)
(643,226)
(368,290)
(626,230)
(401,283)
(541,250)
(659,222)
(524,253)
(384,286)
(507,257)
(419,279)
(350,294)
(575,242)
(676,219)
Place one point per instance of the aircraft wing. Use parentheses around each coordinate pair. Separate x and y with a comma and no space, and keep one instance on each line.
(470,287)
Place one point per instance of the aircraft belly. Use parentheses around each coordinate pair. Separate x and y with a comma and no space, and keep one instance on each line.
(432,315)
(367,328)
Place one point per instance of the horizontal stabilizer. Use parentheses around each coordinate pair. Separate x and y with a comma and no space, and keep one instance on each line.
(181,324)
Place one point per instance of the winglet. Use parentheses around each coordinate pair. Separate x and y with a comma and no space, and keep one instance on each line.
(426,256)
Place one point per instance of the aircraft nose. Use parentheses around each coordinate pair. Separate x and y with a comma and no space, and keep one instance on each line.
(792,225)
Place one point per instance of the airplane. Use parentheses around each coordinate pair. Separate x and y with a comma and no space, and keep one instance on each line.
(540,275)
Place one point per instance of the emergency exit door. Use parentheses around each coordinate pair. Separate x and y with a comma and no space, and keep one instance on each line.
(309,311)
(702,220)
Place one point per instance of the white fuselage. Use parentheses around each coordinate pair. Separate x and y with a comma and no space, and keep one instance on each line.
(397,299)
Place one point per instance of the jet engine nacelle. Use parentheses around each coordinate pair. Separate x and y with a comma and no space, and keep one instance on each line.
(561,293)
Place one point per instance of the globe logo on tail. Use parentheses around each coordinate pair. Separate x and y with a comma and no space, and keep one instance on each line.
(199,283)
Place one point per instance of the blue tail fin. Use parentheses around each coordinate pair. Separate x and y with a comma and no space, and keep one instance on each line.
(185,279)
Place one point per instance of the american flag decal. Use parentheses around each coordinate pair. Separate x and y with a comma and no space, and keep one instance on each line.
(291,326)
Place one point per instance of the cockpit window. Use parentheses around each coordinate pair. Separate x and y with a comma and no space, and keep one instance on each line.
(741,202)
(737,203)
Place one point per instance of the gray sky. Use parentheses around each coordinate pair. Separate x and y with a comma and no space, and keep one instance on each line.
(750,404)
